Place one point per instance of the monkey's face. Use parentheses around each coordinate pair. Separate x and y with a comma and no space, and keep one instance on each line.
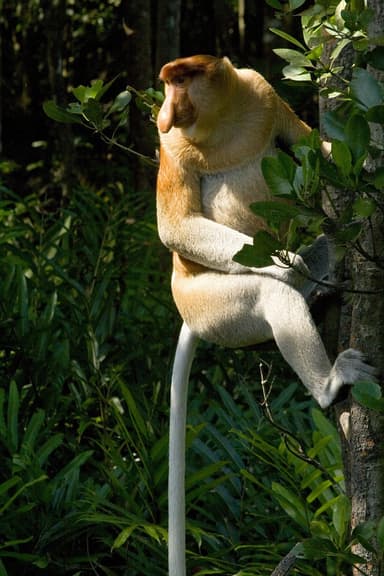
(177,109)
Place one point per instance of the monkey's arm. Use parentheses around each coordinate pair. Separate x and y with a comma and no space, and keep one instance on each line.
(290,127)
(184,229)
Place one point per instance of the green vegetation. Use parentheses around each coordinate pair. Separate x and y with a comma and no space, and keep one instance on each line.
(88,327)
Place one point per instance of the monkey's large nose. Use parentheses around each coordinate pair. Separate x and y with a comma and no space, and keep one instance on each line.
(165,118)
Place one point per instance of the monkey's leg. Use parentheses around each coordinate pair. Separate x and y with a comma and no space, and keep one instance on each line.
(176,480)
(299,342)
(241,309)
(297,337)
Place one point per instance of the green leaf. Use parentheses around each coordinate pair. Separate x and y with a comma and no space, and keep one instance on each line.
(364,533)
(195,480)
(368,394)
(3,571)
(59,114)
(358,135)
(264,245)
(349,233)
(364,207)
(380,534)
(93,92)
(342,157)
(274,213)
(296,73)
(279,173)
(248,256)
(274,4)
(288,37)
(85,93)
(134,411)
(121,101)
(370,388)
(341,515)
(376,57)
(294,4)
(94,113)
(320,529)
(317,548)
(75,108)
(74,464)
(293,57)
(24,487)
(376,114)
(23,298)
(339,47)
(48,447)
(291,504)
(33,429)
(155,532)
(378,181)
(3,426)
(8,484)
(316,492)
(123,536)
(365,89)
(334,125)
(13,417)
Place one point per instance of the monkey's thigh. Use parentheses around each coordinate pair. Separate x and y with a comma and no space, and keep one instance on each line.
(226,309)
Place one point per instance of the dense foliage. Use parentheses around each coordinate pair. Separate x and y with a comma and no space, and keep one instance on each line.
(88,331)
(86,341)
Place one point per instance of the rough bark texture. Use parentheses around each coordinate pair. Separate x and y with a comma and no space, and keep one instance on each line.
(167,32)
(138,53)
(361,326)
(287,563)
(57,31)
(367,333)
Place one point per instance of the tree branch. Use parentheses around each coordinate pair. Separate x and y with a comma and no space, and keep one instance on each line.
(284,567)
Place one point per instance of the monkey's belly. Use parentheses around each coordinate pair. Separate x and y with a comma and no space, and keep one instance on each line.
(226,196)
(222,308)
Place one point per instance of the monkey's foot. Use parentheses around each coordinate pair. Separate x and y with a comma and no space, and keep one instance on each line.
(348,368)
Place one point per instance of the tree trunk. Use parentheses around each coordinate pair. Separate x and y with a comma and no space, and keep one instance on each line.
(1,84)
(367,333)
(167,32)
(57,32)
(361,326)
(138,54)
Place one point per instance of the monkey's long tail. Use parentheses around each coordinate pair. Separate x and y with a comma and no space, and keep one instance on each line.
(184,355)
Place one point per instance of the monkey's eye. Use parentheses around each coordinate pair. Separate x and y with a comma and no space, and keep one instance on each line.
(179,80)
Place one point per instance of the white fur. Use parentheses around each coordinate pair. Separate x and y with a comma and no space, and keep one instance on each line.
(176,480)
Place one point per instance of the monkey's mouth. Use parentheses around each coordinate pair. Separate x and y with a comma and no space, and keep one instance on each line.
(185,120)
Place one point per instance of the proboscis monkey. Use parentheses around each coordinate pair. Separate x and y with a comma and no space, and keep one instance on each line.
(216,124)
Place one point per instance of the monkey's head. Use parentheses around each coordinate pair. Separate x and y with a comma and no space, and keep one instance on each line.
(193,88)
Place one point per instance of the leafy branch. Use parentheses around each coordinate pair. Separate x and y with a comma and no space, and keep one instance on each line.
(106,118)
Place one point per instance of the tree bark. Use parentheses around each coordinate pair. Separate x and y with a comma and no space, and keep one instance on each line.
(1,83)
(167,32)
(57,32)
(361,326)
(367,333)
(138,53)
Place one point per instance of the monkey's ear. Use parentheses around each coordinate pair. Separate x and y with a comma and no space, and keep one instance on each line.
(224,70)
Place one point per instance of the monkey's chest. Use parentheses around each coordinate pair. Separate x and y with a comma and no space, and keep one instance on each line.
(226,196)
